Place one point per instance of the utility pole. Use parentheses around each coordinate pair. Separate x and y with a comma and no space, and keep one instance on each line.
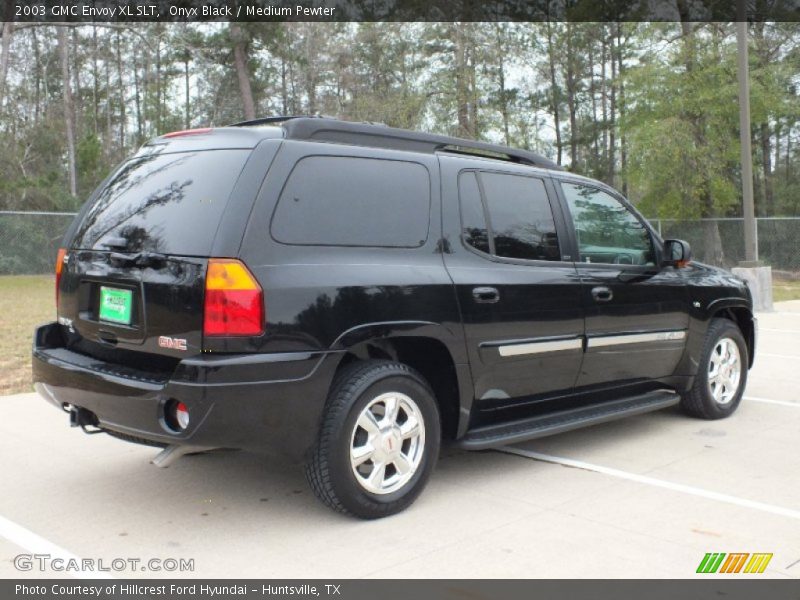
(758,277)
(743,75)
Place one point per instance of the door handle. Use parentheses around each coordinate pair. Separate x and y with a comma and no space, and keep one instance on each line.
(485,295)
(602,294)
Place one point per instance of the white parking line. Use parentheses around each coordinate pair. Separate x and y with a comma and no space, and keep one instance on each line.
(36,544)
(771,401)
(760,329)
(669,485)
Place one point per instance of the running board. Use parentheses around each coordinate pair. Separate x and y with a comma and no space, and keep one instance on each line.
(536,427)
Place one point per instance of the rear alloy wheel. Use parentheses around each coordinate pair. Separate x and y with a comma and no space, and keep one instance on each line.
(722,375)
(379,440)
(388,443)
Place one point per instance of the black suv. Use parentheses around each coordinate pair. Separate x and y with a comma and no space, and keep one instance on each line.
(350,295)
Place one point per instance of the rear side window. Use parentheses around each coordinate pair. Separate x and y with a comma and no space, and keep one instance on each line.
(351,201)
(168,203)
(520,219)
(473,218)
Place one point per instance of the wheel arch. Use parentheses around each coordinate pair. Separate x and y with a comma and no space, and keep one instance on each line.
(742,315)
(433,358)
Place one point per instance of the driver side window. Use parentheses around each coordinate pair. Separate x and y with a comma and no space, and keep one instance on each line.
(607,231)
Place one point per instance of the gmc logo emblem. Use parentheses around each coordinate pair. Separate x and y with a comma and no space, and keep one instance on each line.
(172,343)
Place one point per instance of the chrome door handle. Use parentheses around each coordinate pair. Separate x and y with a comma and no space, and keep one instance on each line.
(602,294)
(485,295)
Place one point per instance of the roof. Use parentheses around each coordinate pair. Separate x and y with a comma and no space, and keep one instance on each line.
(381,136)
(247,134)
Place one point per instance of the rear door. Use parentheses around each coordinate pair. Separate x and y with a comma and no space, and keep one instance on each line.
(517,287)
(636,313)
(133,276)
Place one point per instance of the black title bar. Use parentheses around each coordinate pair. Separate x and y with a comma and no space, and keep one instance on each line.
(53,11)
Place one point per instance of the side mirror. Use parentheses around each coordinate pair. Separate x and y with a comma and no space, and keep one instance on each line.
(677,253)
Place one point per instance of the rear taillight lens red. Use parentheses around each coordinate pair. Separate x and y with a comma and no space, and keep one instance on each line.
(234,302)
(62,252)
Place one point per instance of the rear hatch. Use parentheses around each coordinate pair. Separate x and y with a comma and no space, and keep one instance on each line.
(132,281)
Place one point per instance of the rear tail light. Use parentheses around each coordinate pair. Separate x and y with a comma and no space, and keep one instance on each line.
(62,252)
(234,302)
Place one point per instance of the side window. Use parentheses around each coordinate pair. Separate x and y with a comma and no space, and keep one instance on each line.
(607,231)
(473,218)
(351,201)
(520,223)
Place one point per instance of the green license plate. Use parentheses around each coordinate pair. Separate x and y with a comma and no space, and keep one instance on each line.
(115,305)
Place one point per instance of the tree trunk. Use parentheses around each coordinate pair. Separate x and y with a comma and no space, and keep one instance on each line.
(158,85)
(571,101)
(242,73)
(5,48)
(121,88)
(284,88)
(76,67)
(612,124)
(188,101)
(462,82)
(555,96)
(137,98)
(37,70)
(766,164)
(593,93)
(63,52)
(604,96)
(501,75)
(623,148)
(95,84)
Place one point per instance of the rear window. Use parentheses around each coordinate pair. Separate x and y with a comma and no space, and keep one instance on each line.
(350,201)
(168,203)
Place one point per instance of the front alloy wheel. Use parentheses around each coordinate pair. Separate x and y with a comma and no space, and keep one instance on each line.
(722,375)
(724,371)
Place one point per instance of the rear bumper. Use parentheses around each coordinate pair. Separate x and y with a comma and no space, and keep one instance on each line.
(269,403)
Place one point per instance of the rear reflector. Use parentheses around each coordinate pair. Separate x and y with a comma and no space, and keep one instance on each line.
(174,134)
(234,302)
(62,252)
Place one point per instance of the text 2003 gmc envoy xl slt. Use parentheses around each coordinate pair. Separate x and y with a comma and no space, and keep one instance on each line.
(349,295)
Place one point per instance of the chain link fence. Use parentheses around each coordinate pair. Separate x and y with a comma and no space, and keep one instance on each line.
(29,240)
(720,242)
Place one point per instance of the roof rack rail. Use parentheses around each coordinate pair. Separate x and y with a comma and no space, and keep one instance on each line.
(380,136)
(270,120)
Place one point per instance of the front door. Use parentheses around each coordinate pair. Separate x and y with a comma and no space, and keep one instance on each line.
(518,291)
(636,313)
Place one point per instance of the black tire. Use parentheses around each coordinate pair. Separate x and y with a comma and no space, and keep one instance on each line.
(699,402)
(330,472)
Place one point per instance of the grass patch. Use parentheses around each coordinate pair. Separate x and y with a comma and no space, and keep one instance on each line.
(25,302)
(784,289)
